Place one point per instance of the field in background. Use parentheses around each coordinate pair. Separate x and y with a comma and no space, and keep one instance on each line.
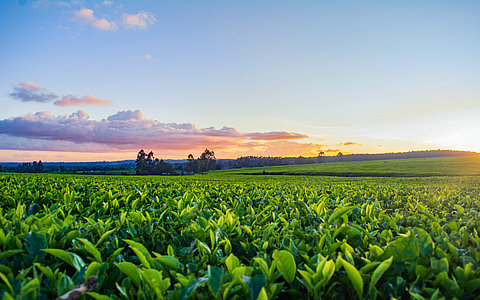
(416,167)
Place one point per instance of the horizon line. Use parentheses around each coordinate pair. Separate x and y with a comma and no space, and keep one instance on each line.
(345,154)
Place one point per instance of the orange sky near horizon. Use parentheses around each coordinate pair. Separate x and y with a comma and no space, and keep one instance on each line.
(61,156)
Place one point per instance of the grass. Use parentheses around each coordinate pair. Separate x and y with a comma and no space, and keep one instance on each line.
(414,167)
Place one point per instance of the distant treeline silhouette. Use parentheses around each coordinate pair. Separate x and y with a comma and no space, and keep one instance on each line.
(25,168)
(147,164)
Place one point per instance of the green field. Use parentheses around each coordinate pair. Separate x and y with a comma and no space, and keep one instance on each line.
(239,237)
(416,167)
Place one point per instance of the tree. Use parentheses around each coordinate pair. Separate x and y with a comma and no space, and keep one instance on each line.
(191,164)
(340,156)
(207,161)
(140,163)
(321,157)
(207,154)
(147,164)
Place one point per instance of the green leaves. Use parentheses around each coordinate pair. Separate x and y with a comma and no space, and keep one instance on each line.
(285,264)
(238,237)
(424,241)
(263,294)
(104,236)
(45,270)
(90,248)
(203,248)
(339,212)
(70,258)
(156,281)
(30,287)
(377,274)
(131,271)
(232,262)
(97,296)
(354,276)
(6,281)
(439,265)
(255,284)
(215,276)
(34,242)
(92,269)
(328,270)
(191,287)
(404,248)
(9,253)
(169,261)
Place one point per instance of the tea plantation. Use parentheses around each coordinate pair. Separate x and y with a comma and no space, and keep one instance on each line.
(239,237)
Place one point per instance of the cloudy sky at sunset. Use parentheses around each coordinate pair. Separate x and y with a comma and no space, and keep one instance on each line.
(99,80)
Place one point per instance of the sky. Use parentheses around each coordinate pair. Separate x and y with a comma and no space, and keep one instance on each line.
(100,80)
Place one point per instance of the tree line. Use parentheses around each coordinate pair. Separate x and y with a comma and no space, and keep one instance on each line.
(147,164)
(34,167)
(40,167)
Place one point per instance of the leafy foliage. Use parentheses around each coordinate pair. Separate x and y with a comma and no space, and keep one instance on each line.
(206,237)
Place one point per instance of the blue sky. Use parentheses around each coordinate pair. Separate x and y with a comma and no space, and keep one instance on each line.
(380,76)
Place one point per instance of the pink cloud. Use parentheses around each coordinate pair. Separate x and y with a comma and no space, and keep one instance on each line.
(33,92)
(88,100)
(276,135)
(130,131)
(86,15)
(350,144)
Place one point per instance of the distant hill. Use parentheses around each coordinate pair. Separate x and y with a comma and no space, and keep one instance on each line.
(459,165)
(401,155)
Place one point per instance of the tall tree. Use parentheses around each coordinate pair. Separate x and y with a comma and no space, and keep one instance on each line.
(147,164)
(191,164)
(140,163)
(207,161)
(150,163)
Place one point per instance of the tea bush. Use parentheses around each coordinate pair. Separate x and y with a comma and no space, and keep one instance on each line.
(239,237)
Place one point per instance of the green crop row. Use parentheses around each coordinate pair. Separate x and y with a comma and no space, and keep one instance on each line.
(206,237)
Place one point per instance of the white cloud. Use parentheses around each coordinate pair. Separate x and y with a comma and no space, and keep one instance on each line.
(127,115)
(139,21)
